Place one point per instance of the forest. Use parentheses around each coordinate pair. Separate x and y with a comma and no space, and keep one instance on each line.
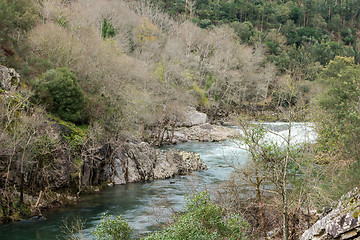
(94,74)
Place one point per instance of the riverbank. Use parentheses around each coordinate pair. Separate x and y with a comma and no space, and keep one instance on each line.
(142,204)
(128,163)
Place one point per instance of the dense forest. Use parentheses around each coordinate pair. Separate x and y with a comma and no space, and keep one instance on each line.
(97,73)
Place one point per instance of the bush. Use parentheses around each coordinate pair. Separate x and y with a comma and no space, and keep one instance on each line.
(340,101)
(112,228)
(60,91)
(203,220)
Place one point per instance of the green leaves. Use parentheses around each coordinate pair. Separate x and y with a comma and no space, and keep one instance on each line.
(340,101)
(16,16)
(112,228)
(107,30)
(203,219)
(60,91)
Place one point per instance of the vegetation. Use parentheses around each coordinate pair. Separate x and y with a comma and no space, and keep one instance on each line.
(201,219)
(112,228)
(129,69)
(59,90)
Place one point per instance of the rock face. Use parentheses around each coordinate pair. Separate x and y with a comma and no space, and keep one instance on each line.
(341,223)
(205,132)
(141,162)
(193,117)
(9,78)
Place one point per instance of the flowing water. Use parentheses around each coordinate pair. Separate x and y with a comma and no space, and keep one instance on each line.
(145,205)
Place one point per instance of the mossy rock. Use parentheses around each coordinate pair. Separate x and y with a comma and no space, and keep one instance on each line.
(74,135)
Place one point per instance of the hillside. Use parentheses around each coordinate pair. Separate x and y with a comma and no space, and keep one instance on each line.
(92,80)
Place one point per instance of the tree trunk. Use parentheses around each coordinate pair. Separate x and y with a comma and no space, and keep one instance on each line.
(22,188)
(261,207)
(285,214)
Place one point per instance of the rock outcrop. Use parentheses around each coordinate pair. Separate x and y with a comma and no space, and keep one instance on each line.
(341,223)
(142,162)
(205,132)
(9,78)
(137,162)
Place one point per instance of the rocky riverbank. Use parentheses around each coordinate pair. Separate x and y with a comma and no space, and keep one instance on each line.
(195,127)
(343,222)
(128,163)
(205,132)
(139,162)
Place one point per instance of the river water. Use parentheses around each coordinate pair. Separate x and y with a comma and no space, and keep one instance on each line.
(145,205)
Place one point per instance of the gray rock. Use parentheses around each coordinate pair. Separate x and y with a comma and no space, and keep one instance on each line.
(205,132)
(9,78)
(141,162)
(119,173)
(193,117)
(341,223)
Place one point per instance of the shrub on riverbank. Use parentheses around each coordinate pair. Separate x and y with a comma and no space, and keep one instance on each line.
(201,219)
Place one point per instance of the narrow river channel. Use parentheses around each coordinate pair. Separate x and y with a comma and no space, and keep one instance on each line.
(144,205)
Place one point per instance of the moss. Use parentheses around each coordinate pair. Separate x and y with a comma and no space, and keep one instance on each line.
(74,135)
(356,213)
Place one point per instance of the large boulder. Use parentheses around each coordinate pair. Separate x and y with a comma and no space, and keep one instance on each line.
(341,223)
(176,162)
(9,78)
(193,117)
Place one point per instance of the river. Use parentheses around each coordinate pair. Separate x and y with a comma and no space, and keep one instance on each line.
(145,205)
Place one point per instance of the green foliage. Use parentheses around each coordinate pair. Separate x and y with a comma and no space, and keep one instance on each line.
(200,93)
(16,16)
(244,30)
(349,36)
(340,101)
(61,21)
(205,23)
(324,51)
(210,80)
(60,91)
(74,135)
(107,30)
(112,228)
(203,219)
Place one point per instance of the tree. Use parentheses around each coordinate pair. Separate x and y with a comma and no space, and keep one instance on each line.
(340,101)
(275,165)
(17,16)
(21,137)
(272,162)
(59,90)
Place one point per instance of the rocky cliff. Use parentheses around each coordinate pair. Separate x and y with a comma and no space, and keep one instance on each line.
(138,162)
(341,223)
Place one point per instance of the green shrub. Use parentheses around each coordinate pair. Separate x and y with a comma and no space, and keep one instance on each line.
(115,228)
(60,91)
(203,220)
